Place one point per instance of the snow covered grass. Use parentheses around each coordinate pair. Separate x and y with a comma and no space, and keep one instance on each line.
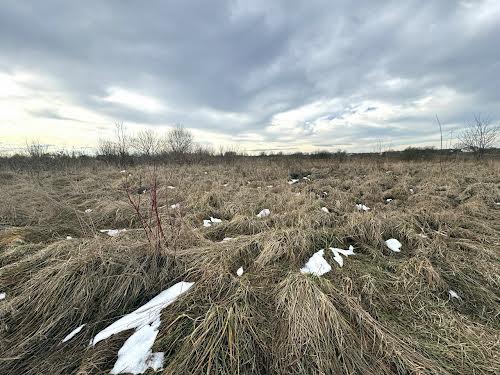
(255,308)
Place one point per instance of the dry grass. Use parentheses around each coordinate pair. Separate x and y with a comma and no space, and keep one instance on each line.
(382,313)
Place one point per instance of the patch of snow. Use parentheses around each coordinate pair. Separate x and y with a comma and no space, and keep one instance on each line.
(394,245)
(177,205)
(113,232)
(2,296)
(264,213)
(293,181)
(240,271)
(170,187)
(146,314)
(336,254)
(324,209)
(317,265)
(136,356)
(88,210)
(73,333)
(362,207)
(69,237)
(454,294)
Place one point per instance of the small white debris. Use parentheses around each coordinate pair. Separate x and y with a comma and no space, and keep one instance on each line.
(112,232)
(206,172)
(324,209)
(497,203)
(271,186)
(336,254)
(227,239)
(293,181)
(264,213)
(225,185)
(388,200)
(124,171)
(362,207)
(88,210)
(69,237)
(207,223)
(454,294)
(387,172)
(412,191)
(317,265)
(73,333)
(177,205)
(212,220)
(422,235)
(2,296)
(325,193)
(306,178)
(170,187)
(240,271)
(215,220)
(394,245)
(130,174)
(258,187)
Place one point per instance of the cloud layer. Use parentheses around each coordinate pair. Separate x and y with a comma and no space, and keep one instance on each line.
(283,75)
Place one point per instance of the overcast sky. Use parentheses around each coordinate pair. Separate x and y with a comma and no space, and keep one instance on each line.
(267,75)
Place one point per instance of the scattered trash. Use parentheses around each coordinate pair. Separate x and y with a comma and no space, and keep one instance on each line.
(497,203)
(454,294)
(73,333)
(206,172)
(422,235)
(306,178)
(293,181)
(362,207)
(388,200)
(264,213)
(69,237)
(336,254)
(270,186)
(240,271)
(112,232)
(317,265)
(227,239)
(2,296)
(88,210)
(258,187)
(170,187)
(124,171)
(412,191)
(225,185)
(394,245)
(136,356)
(177,205)
(212,220)
(324,209)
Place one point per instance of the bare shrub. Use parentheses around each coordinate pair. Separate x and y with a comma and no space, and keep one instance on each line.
(479,136)
(146,143)
(180,140)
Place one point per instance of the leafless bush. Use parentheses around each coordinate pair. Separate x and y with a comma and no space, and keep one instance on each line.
(146,143)
(35,149)
(180,140)
(479,136)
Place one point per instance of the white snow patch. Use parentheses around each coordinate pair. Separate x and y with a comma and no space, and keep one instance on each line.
(293,181)
(394,245)
(146,314)
(362,207)
(113,232)
(73,333)
(240,271)
(2,296)
(177,205)
(136,356)
(454,294)
(336,254)
(212,220)
(264,213)
(88,210)
(170,187)
(324,209)
(317,265)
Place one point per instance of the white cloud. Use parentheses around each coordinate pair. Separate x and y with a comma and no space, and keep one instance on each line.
(128,98)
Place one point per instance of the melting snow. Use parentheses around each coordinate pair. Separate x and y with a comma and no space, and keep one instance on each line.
(336,254)
(362,207)
(240,271)
(88,210)
(394,245)
(112,232)
(73,333)
(325,209)
(454,294)
(146,314)
(317,265)
(2,296)
(264,213)
(293,181)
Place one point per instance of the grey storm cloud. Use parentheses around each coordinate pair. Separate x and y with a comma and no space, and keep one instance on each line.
(253,60)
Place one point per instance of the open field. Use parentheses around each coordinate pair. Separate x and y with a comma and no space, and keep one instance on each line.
(432,308)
